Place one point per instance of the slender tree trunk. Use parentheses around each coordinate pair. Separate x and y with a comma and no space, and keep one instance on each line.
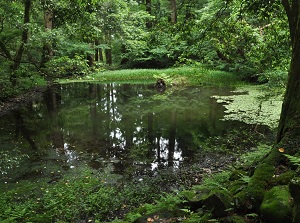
(149,10)
(91,58)
(96,50)
(173,7)
(108,50)
(101,55)
(24,40)
(47,48)
(108,56)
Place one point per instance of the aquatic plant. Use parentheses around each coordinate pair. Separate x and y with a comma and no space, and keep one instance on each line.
(251,105)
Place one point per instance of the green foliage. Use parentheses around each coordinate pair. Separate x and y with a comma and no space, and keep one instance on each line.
(167,202)
(140,152)
(172,80)
(198,218)
(26,81)
(66,67)
(222,35)
(131,217)
(254,155)
(275,82)
(83,193)
(293,159)
(215,181)
(7,89)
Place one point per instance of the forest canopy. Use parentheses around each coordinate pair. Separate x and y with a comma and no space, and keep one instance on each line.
(63,38)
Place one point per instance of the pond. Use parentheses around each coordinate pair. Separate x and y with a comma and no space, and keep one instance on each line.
(132,129)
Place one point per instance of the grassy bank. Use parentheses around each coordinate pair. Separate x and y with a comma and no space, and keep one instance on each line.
(173,76)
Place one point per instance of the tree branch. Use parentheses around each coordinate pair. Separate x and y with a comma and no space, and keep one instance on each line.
(5,50)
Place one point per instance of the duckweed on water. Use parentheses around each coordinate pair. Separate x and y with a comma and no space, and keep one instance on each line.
(252,105)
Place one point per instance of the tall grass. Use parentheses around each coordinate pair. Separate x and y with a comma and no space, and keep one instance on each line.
(181,75)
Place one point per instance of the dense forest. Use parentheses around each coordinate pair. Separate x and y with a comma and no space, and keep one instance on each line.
(44,41)
(40,40)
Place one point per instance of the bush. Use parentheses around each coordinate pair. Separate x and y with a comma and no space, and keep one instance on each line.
(65,66)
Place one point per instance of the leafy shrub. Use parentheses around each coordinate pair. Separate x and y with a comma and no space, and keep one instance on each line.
(65,66)
(25,81)
(6,87)
(274,78)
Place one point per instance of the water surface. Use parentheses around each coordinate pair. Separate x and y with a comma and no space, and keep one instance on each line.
(131,128)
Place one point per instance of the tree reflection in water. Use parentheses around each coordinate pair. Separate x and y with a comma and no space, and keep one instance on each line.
(134,128)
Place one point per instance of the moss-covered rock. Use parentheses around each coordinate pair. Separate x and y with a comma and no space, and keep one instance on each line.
(277,206)
(251,197)
(218,203)
(284,178)
(194,199)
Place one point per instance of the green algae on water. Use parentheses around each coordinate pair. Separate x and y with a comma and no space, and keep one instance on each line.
(252,105)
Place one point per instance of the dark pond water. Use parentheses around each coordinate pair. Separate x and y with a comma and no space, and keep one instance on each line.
(131,128)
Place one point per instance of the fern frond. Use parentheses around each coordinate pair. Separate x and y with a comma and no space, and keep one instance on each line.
(293,159)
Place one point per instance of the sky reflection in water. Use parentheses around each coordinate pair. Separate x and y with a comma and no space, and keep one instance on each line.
(134,128)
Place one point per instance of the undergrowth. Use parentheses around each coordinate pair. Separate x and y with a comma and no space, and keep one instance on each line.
(83,195)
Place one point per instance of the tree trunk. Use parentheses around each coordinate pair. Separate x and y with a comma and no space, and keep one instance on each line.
(91,58)
(47,48)
(149,10)
(173,6)
(289,124)
(101,55)
(25,33)
(97,50)
(108,56)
